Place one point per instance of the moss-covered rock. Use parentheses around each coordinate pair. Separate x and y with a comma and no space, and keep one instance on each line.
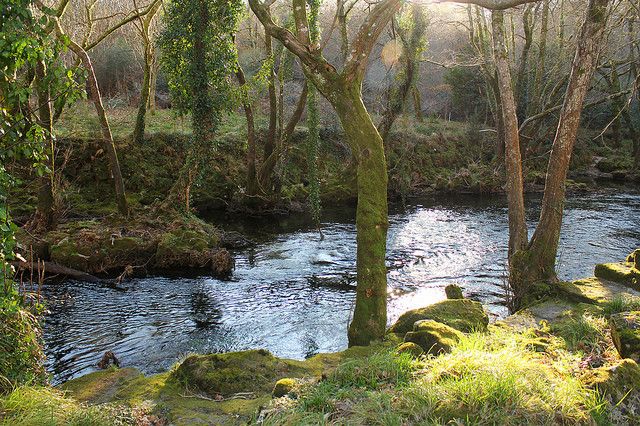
(433,337)
(623,272)
(283,387)
(410,348)
(453,291)
(634,258)
(462,314)
(616,381)
(625,333)
(68,253)
(234,372)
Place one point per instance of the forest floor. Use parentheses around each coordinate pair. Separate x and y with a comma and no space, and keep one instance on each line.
(570,358)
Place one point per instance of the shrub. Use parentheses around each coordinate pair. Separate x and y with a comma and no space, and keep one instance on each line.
(21,354)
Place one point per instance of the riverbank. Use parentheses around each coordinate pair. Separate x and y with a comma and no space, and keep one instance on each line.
(571,358)
(424,157)
(429,157)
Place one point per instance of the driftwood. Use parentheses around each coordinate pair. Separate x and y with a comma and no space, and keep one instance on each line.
(55,269)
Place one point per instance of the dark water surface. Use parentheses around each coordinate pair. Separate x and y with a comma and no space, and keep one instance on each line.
(289,292)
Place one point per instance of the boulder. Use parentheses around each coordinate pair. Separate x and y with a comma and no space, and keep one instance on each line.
(410,348)
(283,387)
(625,333)
(462,314)
(453,291)
(433,337)
(233,372)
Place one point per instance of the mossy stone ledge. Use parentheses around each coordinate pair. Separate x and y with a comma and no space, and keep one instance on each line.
(623,272)
(229,373)
(462,314)
(625,333)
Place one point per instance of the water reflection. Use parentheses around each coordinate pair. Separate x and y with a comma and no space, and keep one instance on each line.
(292,293)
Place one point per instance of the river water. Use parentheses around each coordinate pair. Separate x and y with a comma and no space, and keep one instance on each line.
(291,293)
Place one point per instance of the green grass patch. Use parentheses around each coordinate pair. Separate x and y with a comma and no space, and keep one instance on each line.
(496,378)
(31,406)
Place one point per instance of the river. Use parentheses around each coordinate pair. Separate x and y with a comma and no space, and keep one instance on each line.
(292,292)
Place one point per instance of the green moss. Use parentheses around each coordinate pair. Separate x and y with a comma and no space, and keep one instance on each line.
(433,337)
(229,373)
(283,387)
(463,315)
(625,333)
(453,291)
(624,273)
(410,348)
(66,252)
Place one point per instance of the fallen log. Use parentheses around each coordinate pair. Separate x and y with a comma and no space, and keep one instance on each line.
(52,268)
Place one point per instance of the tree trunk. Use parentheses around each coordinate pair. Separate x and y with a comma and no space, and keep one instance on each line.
(107,137)
(538,264)
(45,211)
(202,117)
(370,316)
(536,100)
(518,237)
(138,132)
(270,144)
(252,180)
(417,103)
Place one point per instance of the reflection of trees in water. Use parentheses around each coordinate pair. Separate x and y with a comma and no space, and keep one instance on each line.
(205,309)
(309,346)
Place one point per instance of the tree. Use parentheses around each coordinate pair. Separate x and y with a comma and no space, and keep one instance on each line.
(534,261)
(198,53)
(344,91)
(149,54)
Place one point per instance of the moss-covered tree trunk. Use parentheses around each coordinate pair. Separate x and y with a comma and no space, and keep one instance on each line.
(343,91)
(370,315)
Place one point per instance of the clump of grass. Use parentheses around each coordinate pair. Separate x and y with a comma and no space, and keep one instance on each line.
(42,406)
(494,378)
(585,332)
(621,303)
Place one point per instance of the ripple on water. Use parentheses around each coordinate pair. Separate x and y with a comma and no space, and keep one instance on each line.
(272,302)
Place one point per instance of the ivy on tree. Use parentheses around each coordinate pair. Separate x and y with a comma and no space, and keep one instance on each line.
(199,55)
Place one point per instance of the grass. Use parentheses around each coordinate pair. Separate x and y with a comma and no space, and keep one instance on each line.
(43,406)
(621,303)
(583,332)
(495,378)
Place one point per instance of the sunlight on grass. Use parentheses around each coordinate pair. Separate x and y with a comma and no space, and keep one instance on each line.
(496,378)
